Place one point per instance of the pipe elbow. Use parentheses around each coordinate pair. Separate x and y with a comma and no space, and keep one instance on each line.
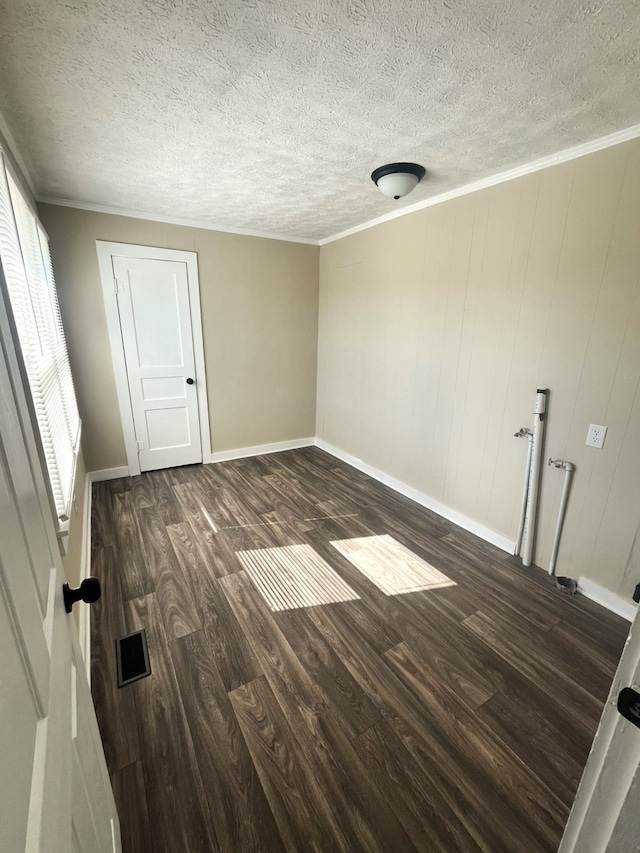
(521,432)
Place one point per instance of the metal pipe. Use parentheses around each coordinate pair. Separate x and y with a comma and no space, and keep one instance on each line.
(534,476)
(525,490)
(569,468)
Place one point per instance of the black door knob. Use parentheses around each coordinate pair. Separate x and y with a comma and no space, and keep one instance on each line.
(88,591)
(189,381)
(629,705)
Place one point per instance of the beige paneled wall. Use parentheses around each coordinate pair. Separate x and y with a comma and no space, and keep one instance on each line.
(259,303)
(436,329)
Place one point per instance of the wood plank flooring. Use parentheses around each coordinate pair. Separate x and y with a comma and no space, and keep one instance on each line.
(451,719)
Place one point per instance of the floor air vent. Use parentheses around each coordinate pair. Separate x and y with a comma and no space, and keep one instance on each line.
(133,658)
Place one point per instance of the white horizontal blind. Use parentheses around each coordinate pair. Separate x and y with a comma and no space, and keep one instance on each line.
(27,267)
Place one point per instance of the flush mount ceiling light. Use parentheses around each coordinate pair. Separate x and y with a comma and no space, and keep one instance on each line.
(397,179)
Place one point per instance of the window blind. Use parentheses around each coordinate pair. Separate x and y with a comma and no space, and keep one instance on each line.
(28,272)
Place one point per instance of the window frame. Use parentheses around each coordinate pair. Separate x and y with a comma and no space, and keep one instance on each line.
(57,417)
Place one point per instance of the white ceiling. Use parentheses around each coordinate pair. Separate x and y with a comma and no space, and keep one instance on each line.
(269,115)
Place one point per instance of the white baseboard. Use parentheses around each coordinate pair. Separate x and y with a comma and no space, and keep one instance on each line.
(590,589)
(84,619)
(108,474)
(261,449)
(420,498)
(615,603)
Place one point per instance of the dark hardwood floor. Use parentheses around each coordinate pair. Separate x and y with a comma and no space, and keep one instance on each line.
(452,719)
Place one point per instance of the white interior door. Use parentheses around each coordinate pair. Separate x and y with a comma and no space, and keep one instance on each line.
(55,793)
(156,328)
(605,817)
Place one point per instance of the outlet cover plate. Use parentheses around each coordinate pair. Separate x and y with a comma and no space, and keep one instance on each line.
(596,435)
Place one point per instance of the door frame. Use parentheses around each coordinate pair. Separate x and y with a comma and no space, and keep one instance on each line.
(106,250)
(604,815)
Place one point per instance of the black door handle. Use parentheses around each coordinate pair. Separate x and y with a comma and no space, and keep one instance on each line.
(189,381)
(629,705)
(88,591)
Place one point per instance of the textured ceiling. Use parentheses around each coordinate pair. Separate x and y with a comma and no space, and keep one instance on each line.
(270,115)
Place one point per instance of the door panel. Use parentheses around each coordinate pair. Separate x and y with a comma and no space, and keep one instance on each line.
(155,324)
(21,598)
(18,720)
(155,308)
(167,428)
(39,705)
(90,772)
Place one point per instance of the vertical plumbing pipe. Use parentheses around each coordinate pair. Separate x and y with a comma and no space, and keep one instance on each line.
(569,468)
(525,489)
(534,476)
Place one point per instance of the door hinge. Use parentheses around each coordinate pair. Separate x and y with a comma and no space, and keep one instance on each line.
(140,445)
(118,287)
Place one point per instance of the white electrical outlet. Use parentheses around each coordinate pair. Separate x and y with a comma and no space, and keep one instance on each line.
(595,436)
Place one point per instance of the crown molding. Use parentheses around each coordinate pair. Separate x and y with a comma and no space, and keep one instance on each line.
(172,220)
(535,166)
(568,154)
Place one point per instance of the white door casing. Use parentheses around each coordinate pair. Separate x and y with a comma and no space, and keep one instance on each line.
(152,303)
(605,816)
(54,785)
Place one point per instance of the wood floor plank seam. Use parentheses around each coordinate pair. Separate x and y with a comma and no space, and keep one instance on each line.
(349,705)
(228,645)
(121,744)
(177,607)
(535,667)
(425,815)
(299,805)
(327,748)
(169,764)
(455,719)
(241,815)
(498,673)
(405,713)
(135,577)
(511,772)
(133,811)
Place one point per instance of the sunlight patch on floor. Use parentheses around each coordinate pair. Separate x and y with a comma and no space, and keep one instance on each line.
(393,568)
(294,576)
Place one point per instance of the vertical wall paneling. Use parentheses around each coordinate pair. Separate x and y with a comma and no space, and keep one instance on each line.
(437,327)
